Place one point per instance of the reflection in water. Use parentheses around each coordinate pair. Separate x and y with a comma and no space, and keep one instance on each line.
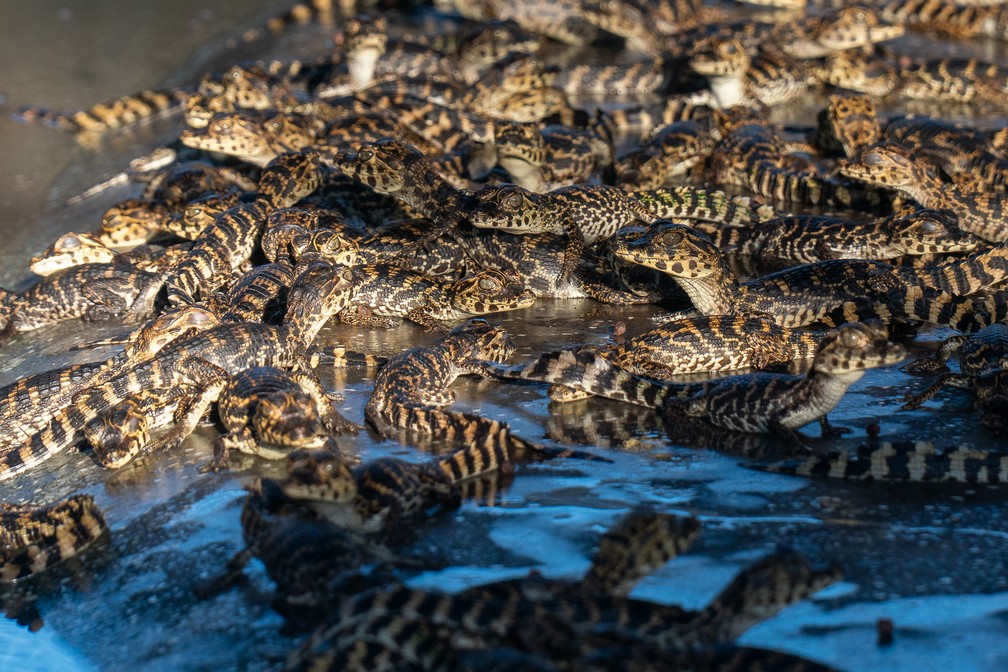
(133,605)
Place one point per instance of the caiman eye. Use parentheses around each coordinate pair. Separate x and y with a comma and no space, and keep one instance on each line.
(512,201)
(851,338)
(672,238)
(489,284)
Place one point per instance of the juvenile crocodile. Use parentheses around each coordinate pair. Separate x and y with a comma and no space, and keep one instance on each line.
(541,159)
(588,213)
(668,152)
(983,363)
(33,539)
(110,114)
(257,296)
(390,291)
(902,462)
(222,247)
(576,624)
(828,292)
(255,139)
(268,413)
(538,259)
(412,388)
(893,167)
(770,77)
(89,291)
(31,401)
(400,170)
(754,157)
(846,124)
(711,343)
(77,249)
(205,361)
(802,239)
(759,402)
(969,156)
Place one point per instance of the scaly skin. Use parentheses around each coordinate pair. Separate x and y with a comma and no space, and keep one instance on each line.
(803,239)
(829,292)
(902,462)
(204,361)
(389,291)
(569,622)
(90,291)
(34,539)
(30,402)
(890,166)
(412,389)
(758,402)
(222,247)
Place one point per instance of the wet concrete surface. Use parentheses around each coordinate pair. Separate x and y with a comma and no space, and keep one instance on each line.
(934,560)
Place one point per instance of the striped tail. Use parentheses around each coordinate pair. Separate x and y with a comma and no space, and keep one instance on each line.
(37,540)
(588,371)
(976,272)
(703,204)
(901,462)
(912,302)
(759,592)
(489,444)
(62,431)
(301,14)
(110,115)
(636,546)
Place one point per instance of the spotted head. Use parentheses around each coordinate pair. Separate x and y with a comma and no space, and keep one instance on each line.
(249,87)
(491,41)
(531,105)
(318,292)
(509,207)
(856,347)
(852,122)
(853,27)
(71,249)
(167,328)
(478,339)
(520,141)
(365,40)
(850,70)
(287,419)
(926,231)
(673,249)
(327,245)
(199,213)
(319,476)
(991,399)
(201,108)
(131,222)
(384,165)
(490,291)
(889,166)
(119,434)
(720,58)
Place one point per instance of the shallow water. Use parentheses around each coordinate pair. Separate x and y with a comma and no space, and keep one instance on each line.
(932,559)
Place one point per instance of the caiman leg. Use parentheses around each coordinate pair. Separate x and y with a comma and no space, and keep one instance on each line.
(573,251)
(954,379)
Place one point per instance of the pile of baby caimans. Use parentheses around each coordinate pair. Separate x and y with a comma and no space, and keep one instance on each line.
(440,180)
